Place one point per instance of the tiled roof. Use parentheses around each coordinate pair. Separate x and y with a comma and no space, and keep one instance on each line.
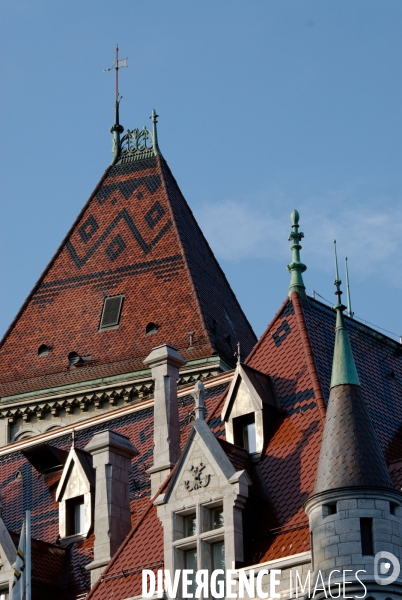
(379,366)
(136,236)
(290,463)
(350,454)
(49,567)
(296,352)
(24,488)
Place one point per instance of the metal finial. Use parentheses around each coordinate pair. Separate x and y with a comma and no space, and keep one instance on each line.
(238,353)
(343,364)
(337,282)
(154,118)
(296,267)
(117,129)
(350,313)
(73,438)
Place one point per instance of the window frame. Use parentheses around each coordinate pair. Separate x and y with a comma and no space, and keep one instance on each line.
(118,320)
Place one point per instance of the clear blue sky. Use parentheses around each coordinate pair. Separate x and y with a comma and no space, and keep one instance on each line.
(265,106)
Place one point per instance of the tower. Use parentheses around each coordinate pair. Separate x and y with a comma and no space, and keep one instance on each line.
(354,511)
(134,271)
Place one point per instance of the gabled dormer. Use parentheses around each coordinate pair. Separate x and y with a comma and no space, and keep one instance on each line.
(75,494)
(248,409)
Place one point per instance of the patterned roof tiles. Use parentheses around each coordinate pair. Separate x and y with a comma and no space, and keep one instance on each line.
(135,237)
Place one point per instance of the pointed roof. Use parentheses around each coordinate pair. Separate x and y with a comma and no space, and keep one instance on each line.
(135,237)
(350,454)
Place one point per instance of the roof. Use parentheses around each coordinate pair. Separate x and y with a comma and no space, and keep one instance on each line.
(135,237)
(350,454)
(296,352)
(23,487)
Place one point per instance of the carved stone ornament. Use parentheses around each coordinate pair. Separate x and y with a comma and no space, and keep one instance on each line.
(200,480)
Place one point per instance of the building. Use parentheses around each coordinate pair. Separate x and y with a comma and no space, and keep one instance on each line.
(139,440)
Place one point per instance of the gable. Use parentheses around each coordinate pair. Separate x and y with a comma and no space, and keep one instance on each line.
(203,467)
(77,477)
(136,238)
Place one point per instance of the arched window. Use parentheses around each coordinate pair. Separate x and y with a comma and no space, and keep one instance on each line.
(151,328)
(43,350)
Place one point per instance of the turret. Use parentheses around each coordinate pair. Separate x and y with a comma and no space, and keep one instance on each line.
(354,511)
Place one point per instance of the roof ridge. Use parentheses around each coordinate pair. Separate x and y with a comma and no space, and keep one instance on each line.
(161,162)
(265,333)
(53,259)
(312,367)
(165,165)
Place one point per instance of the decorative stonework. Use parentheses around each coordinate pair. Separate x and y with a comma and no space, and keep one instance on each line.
(200,479)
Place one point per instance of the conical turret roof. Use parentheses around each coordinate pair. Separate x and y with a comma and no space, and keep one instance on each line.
(350,454)
(136,237)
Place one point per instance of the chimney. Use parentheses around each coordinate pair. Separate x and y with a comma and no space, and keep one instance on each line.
(111,454)
(164,362)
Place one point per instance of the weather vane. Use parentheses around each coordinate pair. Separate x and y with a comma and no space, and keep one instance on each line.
(117,64)
(117,129)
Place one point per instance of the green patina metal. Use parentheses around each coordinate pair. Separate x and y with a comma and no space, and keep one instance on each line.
(296,268)
(138,144)
(343,366)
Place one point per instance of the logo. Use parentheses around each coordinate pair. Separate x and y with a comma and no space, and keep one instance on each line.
(386,568)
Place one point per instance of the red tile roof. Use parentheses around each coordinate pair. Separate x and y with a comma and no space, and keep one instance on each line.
(136,236)
(296,352)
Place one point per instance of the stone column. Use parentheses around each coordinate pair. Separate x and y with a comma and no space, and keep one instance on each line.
(111,453)
(165,362)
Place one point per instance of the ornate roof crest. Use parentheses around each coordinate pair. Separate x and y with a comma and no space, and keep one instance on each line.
(138,144)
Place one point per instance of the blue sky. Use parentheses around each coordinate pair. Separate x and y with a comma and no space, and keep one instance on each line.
(265,106)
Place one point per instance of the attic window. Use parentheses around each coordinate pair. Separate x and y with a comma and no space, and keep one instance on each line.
(151,328)
(43,350)
(111,312)
(244,432)
(75,359)
(228,339)
(75,515)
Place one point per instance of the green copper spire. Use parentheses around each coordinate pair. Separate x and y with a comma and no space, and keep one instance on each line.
(154,118)
(296,268)
(343,365)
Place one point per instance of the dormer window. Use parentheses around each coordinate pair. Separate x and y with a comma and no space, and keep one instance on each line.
(75,516)
(75,495)
(244,432)
(249,409)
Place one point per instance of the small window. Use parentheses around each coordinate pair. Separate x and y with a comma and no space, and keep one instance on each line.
(244,432)
(43,350)
(151,328)
(190,525)
(228,339)
(217,518)
(329,509)
(111,312)
(75,515)
(4,594)
(74,358)
(366,532)
(393,507)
